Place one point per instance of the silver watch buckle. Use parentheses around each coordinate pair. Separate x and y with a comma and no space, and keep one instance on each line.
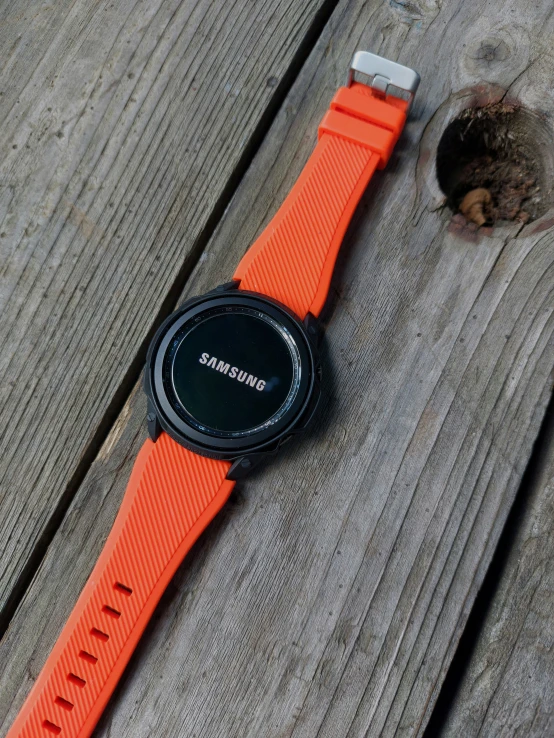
(383,75)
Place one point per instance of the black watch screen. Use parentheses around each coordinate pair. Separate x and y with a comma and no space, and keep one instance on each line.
(233,371)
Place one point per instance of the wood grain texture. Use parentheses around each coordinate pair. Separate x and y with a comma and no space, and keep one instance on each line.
(508,688)
(328,598)
(122,126)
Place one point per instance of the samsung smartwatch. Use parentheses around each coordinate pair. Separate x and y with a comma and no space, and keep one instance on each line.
(230,376)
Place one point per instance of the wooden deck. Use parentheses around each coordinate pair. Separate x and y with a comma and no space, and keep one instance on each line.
(144,145)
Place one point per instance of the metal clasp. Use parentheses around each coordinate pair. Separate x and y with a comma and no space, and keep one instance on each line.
(385,74)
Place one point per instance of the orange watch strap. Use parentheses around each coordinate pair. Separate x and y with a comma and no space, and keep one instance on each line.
(172,495)
(293,259)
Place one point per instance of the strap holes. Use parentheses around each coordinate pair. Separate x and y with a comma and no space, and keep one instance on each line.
(104,637)
(74,679)
(66,704)
(51,728)
(88,657)
(127,591)
(111,612)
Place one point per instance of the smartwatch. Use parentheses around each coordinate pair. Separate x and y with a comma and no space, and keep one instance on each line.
(230,376)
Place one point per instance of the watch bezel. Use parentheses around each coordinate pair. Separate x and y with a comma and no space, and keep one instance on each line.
(265,440)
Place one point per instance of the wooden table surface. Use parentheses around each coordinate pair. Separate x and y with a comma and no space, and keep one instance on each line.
(144,146)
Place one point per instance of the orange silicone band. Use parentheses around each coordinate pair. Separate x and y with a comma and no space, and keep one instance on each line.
(172,496)
(293,259)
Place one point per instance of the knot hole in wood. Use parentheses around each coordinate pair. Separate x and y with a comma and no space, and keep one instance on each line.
(495,164)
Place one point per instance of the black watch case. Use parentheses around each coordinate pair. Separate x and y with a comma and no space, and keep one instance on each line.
(233,375)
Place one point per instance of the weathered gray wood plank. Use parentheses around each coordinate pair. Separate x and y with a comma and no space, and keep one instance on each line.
(508,688)
(329,597)
(122,126)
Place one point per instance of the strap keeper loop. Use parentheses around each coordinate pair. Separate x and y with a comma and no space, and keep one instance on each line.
(372,137)
(390,115)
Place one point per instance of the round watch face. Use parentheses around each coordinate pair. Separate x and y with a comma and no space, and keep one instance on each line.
(231,372)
